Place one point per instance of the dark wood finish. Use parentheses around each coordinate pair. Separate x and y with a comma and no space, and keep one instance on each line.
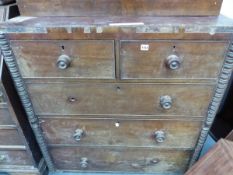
(89,58)
(119,7)
(90,101)
(191,28)
(198,59)
(106,132)
(217,161)
(121,159)
(4,2)
(119,98)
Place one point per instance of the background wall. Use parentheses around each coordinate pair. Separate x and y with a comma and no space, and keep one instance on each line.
(227,8)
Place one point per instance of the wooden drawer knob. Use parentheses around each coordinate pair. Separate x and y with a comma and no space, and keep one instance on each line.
(160,136)
(166,102)
(78,134)
(84,162)
(173,62)
(63,62)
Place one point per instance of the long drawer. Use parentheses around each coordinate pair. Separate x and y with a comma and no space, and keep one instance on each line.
(66,59)
(5,118)
(171,59)
(144,160)
(13,157)
(116,98)
(123,132)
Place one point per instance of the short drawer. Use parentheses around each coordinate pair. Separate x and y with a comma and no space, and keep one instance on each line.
(10,137)
(171,59)
(14,158)
(118,132)
(92,59)
(144,160)
(5,117)
(116,98)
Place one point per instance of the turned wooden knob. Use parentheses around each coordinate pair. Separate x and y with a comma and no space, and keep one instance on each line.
(160,136)
(63,62)
(173,62)
(166,102)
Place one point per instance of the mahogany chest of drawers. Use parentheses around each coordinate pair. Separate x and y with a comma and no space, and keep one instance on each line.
(133,94)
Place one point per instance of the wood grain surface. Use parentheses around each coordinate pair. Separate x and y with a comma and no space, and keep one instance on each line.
(198,59)
(10,137)
(115,132)
(119,7)
(143,160)
(15,158)
(218,160)
(119,98)
(89,58)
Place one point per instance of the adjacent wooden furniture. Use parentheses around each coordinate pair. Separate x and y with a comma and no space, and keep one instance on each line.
(218,161)
(19,151)
(123,92)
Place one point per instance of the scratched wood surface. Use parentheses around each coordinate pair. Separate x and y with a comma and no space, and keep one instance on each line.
(146,160)
(115,132)
(198,59)
(119,7)
(89,58)
(112,91)
(10,137)
(14,157)
(117,98)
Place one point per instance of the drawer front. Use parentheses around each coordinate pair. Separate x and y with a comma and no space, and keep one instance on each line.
(5,117)
(66,59)
(110,98)
(14,158)
(10,137)
(120,159)
(115,132)
(171,59)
